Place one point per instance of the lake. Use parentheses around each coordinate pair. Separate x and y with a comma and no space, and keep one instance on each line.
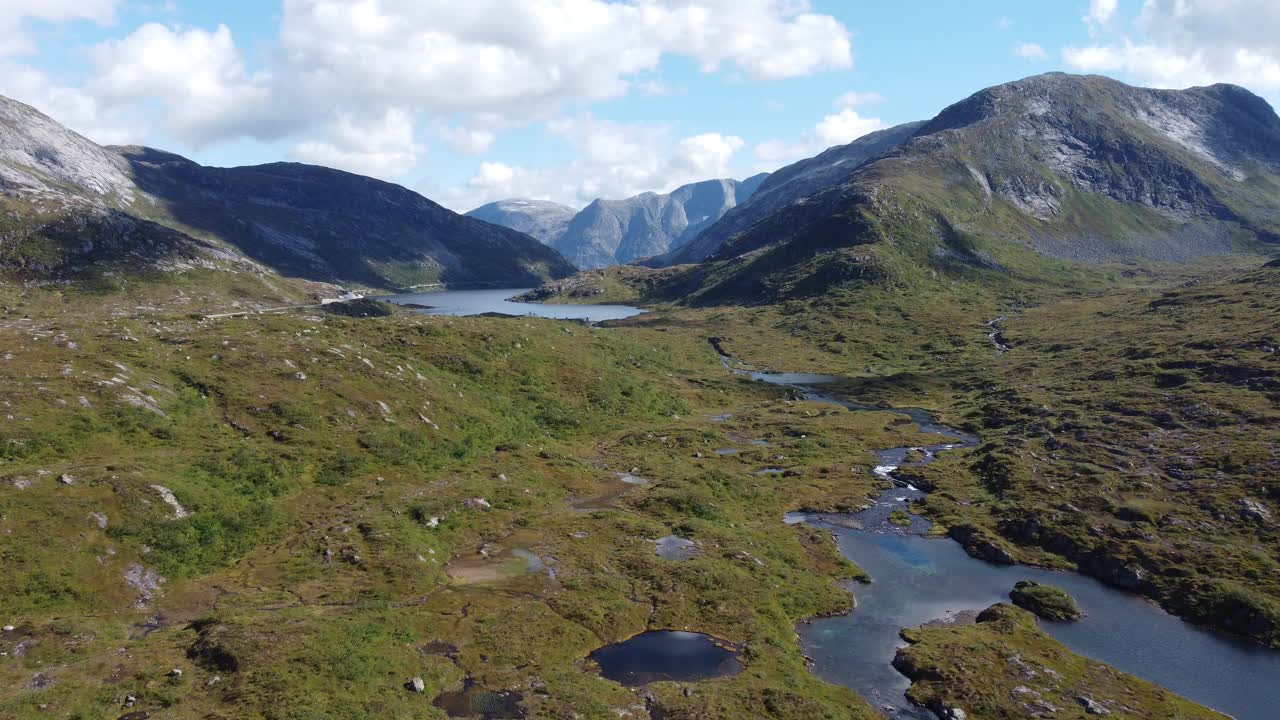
(479,302)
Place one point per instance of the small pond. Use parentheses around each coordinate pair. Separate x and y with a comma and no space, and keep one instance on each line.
(479,302)
(676,548)
(473,701)
(666,655)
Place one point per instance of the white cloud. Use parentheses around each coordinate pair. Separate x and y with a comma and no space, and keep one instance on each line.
(15,15)
(468,140)
(1179,43)
(1030,51)
(378,69)
(854,99)
(840,128)
(1004,23)
(612,160)
(844,127)
(382,146)
(516,57)
(1101,11)
(70,106)
(197,78)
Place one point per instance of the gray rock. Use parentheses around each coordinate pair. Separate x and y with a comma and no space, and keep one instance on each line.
(416,685)
(1091,706)
(1254,511)
(66,479)
(146,582)
(542,220)
(612,232)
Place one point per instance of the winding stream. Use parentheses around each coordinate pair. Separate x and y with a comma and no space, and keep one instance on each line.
(916,579)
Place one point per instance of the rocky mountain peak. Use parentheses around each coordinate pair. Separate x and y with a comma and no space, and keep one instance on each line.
(37,154)
(544,220)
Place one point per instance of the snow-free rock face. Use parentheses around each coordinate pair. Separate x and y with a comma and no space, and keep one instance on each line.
(543,220)
(68,205)
(38,155)
(615,232)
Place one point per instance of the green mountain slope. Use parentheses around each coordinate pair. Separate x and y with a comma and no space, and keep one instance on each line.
(1021,181)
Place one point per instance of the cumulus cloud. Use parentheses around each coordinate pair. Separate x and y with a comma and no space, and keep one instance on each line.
(381,146)
(515,57)
(855,99)
(468,140)
(197,78)
(1030,51)
(1101,11)
(611,160)
(1179,43)
(348,82)
(840,128)
(16,15)
(69,105)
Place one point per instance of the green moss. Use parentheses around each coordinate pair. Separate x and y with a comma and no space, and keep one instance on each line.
(1003,666)
(1046,601)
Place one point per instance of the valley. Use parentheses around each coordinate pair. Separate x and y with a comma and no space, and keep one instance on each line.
(793,477)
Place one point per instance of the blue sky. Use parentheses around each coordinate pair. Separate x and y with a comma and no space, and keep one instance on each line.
(573,99)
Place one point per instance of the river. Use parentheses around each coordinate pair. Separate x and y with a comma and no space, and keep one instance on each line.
(916,579)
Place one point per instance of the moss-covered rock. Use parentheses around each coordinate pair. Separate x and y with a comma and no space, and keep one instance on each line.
(1046,601)
(1003,666)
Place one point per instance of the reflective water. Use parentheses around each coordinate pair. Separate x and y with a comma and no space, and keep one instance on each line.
(917,579)
(473,701)
(479,302)
(676,548)
(666,655)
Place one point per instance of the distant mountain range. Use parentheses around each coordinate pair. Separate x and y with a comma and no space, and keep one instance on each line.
(543,220)
(70,205)
(791,183)
(1005,183)
(614,232)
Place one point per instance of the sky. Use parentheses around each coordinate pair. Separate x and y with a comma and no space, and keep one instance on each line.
(570,100)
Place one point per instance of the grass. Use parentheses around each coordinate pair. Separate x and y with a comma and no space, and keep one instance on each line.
(330,466)
(309,568)
(952,668)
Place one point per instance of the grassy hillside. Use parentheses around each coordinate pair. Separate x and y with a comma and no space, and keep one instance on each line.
(331,544)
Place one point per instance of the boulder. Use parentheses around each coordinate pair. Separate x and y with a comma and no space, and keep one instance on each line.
(416,685)
(1091,706)
(1046,601)
(1254,511)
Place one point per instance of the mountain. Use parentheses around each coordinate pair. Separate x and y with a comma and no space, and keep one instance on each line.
(791,183)
(1017,177)
(542,220)
(615,232)
(71,205)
